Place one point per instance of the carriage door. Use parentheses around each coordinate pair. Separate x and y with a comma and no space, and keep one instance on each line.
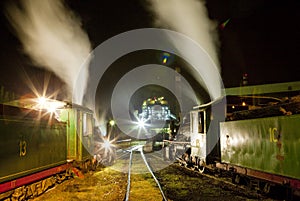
(198,134)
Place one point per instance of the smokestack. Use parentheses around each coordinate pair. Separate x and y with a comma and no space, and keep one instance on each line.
(52,36)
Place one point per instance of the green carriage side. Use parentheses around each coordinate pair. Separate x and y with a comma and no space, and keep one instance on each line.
(270,145)
(30,142)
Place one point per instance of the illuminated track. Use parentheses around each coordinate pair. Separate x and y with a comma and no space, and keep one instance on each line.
(140,149)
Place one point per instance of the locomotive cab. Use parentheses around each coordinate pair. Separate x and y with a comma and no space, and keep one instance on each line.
(80,124)
(198,130)
(204,131)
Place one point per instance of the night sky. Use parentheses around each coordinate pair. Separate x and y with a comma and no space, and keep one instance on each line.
(261,39)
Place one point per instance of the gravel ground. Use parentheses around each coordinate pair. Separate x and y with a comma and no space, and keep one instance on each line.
(178,184)
(103,184)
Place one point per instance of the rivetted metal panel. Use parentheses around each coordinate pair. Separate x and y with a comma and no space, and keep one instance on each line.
(267,144)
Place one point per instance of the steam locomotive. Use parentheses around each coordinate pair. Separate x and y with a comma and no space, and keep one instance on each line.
(259,147)
(40,148)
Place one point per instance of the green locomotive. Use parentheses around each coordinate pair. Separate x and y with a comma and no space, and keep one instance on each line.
(271,145)
(40,148)
(258,146)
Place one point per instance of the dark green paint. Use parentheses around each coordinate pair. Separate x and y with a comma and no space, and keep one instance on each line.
(29,146)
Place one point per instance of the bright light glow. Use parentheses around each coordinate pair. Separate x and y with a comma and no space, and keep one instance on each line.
(139,126)
(43,103)
(105,149)
(51,109)
(243,103)
(141,123)
(112,122)
(106,144)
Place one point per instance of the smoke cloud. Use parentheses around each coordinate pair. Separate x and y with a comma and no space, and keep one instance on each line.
(189,17)
(52,36)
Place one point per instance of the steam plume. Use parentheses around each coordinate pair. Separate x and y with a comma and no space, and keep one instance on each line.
(189,17)
(52,36)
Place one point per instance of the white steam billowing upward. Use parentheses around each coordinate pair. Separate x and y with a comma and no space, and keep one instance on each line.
(189,17)
(52,36)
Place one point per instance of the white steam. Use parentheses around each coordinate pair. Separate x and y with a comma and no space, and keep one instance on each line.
(189,17)
(52,36)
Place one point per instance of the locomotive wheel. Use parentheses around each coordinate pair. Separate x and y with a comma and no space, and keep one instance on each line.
(201,166)
(183,163)
(266,189)
(236,179)
(201,169)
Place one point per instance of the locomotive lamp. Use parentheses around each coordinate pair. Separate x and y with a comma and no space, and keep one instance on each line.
(109,127)
(43,103)
(112,122)
(106,144)
(141,123)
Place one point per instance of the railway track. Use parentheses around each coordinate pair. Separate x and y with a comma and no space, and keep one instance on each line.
(226,181)
(134,162)
(131,151)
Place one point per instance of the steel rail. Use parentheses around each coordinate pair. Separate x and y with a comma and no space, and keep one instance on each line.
(154,177)
(128,180)
(140,149)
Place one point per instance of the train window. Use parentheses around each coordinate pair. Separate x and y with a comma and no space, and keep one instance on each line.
(87,124)
(198,119)
(193,122)
(201,122)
